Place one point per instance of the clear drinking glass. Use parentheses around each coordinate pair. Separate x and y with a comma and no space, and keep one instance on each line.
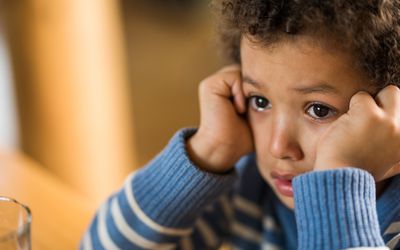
(15,223)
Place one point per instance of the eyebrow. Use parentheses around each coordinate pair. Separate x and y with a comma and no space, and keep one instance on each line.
(249,80)
(321,87)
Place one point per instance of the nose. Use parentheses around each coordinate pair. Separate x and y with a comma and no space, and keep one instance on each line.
(284,143)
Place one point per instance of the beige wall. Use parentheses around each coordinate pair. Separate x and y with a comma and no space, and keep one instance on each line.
(101,88)
(168,57)
(71,81)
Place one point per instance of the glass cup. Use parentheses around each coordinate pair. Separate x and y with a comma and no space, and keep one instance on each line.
(15,223)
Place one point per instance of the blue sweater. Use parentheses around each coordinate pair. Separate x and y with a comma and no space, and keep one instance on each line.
(172,204)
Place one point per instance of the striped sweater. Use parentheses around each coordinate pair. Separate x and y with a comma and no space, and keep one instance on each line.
(172,204)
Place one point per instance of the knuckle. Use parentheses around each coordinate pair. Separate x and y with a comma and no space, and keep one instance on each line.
(206,83)
(219,78)
(232,67)
(203,87)
(393,88)
(358,97)
(361,94)
(389,89)
(210,84)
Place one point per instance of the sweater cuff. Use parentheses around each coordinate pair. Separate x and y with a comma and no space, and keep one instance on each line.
(172,191)
(336,209)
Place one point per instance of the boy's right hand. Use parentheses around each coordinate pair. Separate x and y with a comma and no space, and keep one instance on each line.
(224,135)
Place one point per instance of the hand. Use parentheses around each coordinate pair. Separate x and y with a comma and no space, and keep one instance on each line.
(224,135)
(367,136)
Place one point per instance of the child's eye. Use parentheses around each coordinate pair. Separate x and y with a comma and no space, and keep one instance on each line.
(259,103)
(319,111)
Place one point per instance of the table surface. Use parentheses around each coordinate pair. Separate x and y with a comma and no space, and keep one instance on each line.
(60,214)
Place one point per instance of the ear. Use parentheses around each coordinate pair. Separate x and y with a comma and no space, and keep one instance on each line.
(394,170)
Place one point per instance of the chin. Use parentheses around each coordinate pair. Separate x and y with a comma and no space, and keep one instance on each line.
(287,201)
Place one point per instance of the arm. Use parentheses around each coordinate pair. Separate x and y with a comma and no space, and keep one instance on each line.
(336,209)
(159,206)
(336,204)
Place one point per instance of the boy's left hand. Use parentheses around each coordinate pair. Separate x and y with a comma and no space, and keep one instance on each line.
(367,136)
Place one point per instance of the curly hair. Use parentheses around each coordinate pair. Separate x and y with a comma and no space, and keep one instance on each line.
(369,29)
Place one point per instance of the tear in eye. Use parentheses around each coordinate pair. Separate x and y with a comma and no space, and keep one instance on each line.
(319,111)
(259,103)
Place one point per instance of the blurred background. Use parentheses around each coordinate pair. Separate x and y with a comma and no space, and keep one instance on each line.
(93,89)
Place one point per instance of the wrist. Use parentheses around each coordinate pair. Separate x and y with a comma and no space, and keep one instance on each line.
(338,204)
(210,156)
(327,163)
(174,172)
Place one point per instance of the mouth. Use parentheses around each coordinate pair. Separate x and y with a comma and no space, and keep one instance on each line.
(283,183)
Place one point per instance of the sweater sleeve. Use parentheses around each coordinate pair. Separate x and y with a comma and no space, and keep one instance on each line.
(336,209)
(163,206)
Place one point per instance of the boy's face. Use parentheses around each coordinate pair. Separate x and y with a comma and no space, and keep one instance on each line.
(295,90)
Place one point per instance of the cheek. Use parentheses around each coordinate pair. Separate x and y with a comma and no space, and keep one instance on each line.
(309,138)
(261,130)
(261,133)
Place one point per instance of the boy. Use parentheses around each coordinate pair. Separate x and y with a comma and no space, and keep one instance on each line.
(313,94)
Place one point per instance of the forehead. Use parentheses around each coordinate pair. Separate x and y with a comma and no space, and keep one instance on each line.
(300,62)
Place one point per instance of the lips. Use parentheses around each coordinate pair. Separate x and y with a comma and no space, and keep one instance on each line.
(283,183)
(276,174)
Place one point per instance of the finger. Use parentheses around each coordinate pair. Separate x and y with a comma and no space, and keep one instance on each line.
(238,97)
(389,100)
(362,101)
(227,83)
(232,67)
(220,84)
(233,87)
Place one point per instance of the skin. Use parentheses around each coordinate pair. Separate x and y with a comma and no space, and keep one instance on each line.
(281,124)
(286,133)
